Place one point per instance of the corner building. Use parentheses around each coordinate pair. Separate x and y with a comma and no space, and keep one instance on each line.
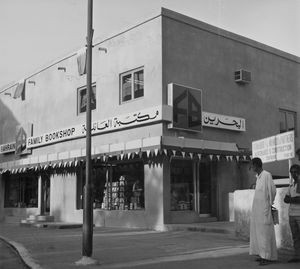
(176,104)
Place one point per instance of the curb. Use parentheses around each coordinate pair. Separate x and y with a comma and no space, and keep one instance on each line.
(199,229)
(22,252)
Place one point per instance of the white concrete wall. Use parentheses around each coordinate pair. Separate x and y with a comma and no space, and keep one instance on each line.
(154,199)
(63,198)
(1,198)
(242,210)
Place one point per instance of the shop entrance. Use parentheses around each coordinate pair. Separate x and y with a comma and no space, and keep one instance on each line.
(204,189)
(45,195)
(192,187)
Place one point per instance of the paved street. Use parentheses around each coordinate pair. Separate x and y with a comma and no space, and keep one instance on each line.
(9,259)
(127,248)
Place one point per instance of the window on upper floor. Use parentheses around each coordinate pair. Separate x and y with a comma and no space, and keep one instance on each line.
(288,120)
(82,99)
(132,85)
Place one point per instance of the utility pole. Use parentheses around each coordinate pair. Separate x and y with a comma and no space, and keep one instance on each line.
(87,230)
(87,242)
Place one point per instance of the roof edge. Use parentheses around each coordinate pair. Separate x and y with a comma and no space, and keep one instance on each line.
(227,34)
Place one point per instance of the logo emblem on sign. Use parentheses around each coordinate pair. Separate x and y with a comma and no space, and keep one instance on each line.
(20,141)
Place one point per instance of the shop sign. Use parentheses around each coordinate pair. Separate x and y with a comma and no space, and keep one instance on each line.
(22,132)
(145,116)
(187,107)
(264,149)
(285,146)
(8,147)
(275,148)
(223,122)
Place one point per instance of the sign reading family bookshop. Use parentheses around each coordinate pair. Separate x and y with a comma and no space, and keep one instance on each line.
(145,116)
(275,148)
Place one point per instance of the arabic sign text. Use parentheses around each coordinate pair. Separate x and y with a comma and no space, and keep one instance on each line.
(223,122)
(145,116)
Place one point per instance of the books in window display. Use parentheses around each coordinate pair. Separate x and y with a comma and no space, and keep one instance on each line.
(114,197)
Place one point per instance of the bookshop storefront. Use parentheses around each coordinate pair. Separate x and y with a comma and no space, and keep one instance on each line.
(146,189)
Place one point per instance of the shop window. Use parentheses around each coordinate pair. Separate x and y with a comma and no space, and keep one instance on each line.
(21,191)
(182,187)
(98,180)
(82,99)
(288,120)
(132,85)
(115,187)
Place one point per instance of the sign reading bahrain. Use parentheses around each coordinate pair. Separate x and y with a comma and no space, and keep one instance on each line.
(8,147)
(223,122)
(145,116)
(275,148)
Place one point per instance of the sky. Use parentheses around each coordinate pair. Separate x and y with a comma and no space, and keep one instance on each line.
(35,33)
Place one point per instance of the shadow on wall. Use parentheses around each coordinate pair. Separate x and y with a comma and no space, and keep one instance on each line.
(8,124)
(57,215)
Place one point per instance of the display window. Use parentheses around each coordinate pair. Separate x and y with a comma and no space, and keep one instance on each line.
(21,191)
(182,187)
(115,186)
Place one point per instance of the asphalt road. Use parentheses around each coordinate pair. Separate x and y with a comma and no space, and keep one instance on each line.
(138,249)
(9,259)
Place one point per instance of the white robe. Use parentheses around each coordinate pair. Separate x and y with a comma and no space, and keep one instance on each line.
(262,233)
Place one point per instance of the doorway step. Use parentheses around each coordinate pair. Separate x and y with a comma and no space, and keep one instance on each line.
(34,220)
(224,227)
(46,221)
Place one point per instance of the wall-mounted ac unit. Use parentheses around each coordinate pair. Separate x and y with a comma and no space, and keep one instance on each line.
(242,76)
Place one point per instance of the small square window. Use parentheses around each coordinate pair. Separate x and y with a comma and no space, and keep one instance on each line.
(82,99)
(132,85)
(287,121)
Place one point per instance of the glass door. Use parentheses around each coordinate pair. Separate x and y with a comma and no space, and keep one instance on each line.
(204,189)
(45,205)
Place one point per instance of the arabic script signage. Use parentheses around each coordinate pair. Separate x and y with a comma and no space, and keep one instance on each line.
(223,122)
(187,107)
(275,148)
(8,147)
(145,116)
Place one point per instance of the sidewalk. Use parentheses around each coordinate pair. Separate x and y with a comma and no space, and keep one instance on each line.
(136,248)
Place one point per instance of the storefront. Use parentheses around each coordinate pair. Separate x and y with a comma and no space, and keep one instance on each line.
(172,129)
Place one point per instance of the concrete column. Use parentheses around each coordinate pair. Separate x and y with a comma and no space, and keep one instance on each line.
(154,190)
(2,188)
(40,195)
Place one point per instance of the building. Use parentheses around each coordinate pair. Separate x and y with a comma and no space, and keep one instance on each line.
(176,106)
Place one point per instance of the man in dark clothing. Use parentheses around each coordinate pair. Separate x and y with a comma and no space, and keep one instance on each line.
(293,198)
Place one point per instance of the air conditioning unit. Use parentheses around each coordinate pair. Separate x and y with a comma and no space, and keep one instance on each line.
(242,76)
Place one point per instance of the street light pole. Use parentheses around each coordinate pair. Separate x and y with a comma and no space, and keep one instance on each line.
(87,231)
(87,242)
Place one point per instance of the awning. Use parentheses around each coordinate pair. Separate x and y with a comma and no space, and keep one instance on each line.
(214,149)
(150,147)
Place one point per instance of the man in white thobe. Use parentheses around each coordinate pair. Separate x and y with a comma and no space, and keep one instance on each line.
(262,233)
